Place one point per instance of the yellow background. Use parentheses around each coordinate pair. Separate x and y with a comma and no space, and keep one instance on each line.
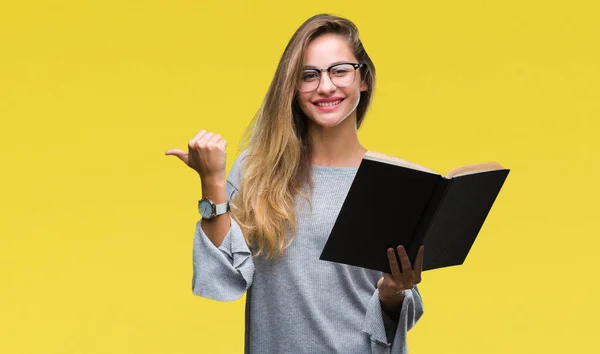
(96,223)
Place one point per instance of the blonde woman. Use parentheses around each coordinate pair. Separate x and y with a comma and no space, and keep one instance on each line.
(264,225)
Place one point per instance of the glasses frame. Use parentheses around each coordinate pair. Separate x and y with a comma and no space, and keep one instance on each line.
(356,66)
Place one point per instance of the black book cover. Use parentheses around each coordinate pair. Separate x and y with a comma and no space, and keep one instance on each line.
(461,215)
(390,205)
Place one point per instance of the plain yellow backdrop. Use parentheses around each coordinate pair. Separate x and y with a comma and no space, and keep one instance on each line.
(96,223)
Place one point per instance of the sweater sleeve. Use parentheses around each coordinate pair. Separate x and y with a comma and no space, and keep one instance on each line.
(376,322)
(223,273)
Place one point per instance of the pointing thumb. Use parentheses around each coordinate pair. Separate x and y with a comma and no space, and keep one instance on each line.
(182,155)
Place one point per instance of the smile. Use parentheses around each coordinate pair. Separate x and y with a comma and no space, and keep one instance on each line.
(328,104)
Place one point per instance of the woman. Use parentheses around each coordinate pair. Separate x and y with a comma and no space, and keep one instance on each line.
(285,191)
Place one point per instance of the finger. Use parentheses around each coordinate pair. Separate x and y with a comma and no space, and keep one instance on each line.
(393,264)
(385,281)
(214,140)
(202,142)
(387,278)
(192,142)
(199,134)
(419,264)
(380,282)
(223,143)
(182,155)
(387,285)
(404,261)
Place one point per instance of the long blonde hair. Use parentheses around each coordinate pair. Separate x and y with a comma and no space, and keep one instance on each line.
(277,165)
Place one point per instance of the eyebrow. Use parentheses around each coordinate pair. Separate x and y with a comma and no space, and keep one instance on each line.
(336,63)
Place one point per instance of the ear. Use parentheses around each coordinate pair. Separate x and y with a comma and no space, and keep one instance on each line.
(364,86)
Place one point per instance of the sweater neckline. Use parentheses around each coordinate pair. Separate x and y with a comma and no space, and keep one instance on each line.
(334,169)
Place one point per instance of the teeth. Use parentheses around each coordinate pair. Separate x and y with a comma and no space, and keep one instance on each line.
(328,104)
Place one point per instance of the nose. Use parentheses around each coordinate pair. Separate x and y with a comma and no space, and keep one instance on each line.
(325,84)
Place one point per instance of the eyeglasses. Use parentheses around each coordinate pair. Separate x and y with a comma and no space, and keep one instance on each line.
(341,75)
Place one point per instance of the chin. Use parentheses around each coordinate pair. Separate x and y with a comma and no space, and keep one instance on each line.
(328,122)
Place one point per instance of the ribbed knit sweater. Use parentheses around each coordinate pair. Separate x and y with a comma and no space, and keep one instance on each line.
(300,304)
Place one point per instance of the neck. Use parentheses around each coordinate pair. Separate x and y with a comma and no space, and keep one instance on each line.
(336,146)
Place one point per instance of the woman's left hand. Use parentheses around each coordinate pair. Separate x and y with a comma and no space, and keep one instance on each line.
(391,286)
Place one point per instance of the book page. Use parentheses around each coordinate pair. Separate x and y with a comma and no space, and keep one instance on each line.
(377,156)
(475,168)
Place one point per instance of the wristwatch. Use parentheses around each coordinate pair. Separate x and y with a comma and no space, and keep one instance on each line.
(209,210)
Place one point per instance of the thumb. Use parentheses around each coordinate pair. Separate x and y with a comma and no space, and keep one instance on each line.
(387,277)
(182,155)
(385,280)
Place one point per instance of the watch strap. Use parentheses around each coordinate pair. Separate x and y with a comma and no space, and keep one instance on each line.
(221,208)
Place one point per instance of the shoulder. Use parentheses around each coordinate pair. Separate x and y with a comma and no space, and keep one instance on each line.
(239,160)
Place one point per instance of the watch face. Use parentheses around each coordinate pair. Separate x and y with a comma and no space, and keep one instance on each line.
(205,208)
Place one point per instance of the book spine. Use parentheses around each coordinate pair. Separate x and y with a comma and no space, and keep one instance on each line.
(426,220)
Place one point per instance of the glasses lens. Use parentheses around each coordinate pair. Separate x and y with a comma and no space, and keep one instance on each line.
(310,80)
(342,75)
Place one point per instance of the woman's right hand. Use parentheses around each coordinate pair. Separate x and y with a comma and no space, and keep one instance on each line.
(206,155)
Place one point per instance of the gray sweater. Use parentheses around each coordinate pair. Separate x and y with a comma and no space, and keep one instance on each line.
(300,304)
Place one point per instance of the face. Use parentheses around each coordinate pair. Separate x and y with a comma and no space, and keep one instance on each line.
(328,105)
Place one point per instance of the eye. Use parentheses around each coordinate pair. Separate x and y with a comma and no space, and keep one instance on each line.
(310,76)
(341,70)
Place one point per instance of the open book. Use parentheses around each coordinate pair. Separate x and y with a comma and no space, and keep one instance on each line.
(394,202)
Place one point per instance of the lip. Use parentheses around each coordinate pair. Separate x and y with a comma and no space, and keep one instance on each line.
(330,108)
(329,99)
